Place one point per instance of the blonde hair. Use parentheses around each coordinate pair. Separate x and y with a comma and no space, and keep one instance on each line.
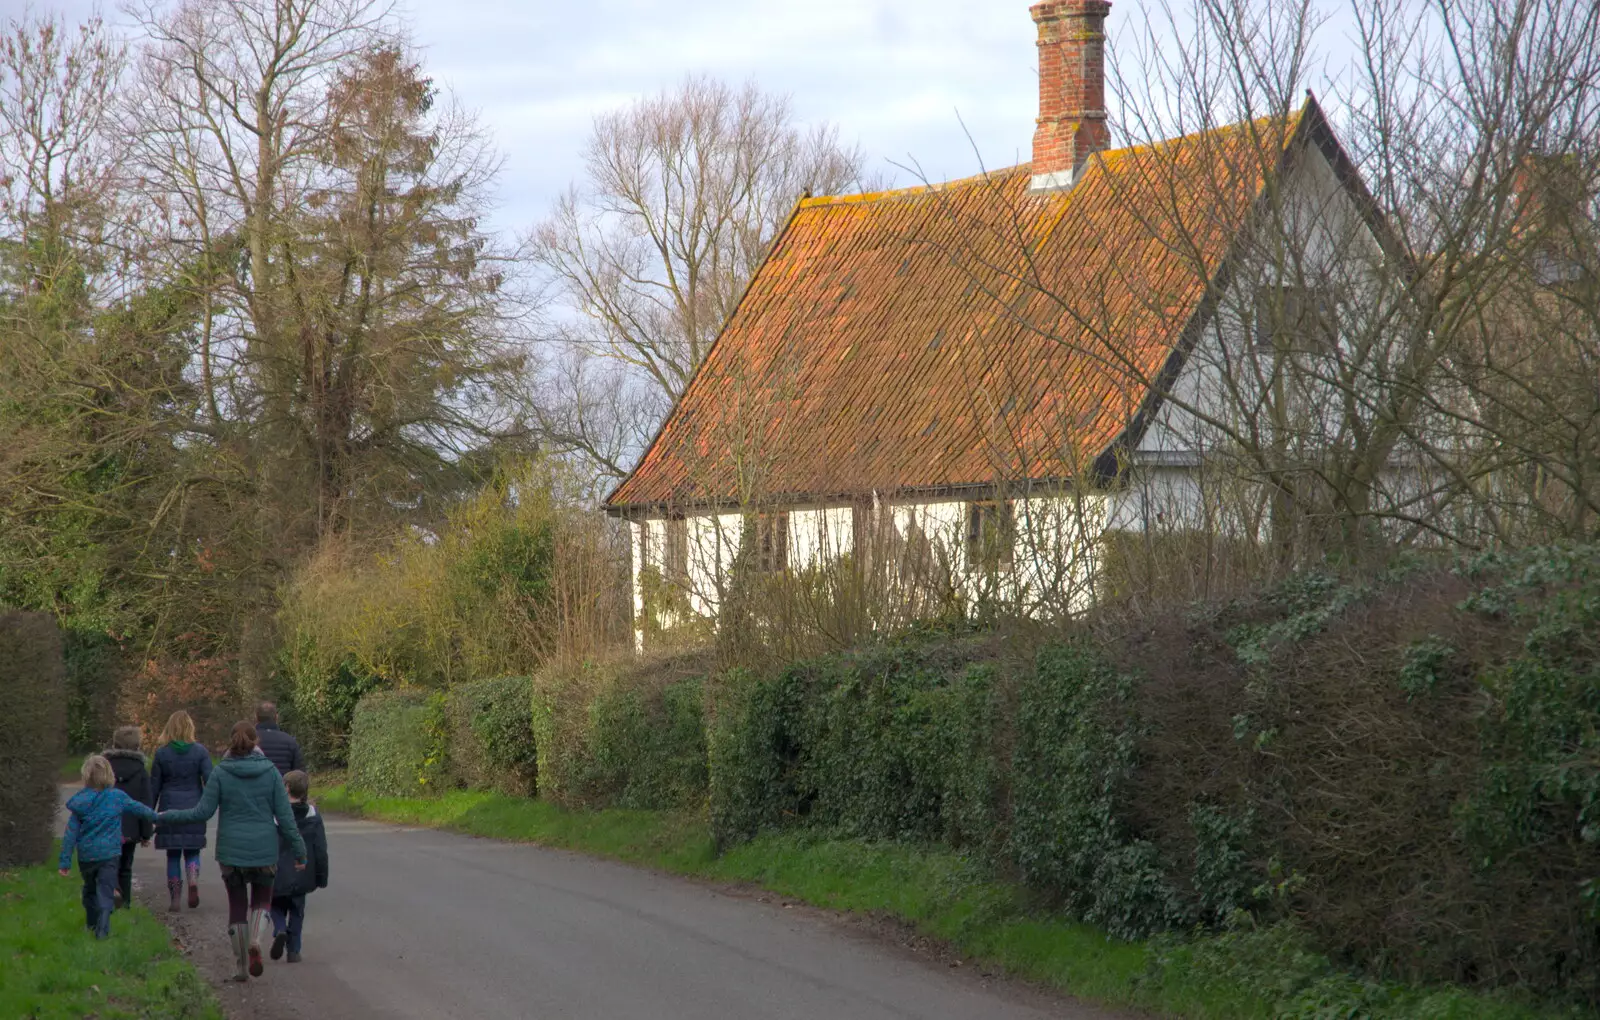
(97,773)
(179,727)
(127,738)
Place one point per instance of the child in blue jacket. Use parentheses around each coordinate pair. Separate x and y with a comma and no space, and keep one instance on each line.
(95,831)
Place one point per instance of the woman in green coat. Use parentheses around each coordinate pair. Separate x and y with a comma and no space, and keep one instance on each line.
(248,791)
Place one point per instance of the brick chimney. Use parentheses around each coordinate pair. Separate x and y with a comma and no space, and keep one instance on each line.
(1072,90)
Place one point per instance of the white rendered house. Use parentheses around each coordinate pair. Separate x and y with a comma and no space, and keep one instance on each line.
(996,372)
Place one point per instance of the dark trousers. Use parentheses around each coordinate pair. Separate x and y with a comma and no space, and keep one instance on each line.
(289,914)
(99,879)
(248,889)
(125,872)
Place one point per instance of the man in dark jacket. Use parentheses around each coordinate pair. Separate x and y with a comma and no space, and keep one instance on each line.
(280,748)
(127,764)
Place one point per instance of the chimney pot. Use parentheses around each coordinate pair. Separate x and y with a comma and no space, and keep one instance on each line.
(1072,90)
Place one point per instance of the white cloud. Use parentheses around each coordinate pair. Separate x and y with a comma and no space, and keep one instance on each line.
(906,80)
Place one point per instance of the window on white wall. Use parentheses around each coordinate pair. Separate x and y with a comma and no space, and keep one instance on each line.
(1296,319)
(772,543)
(991,535)
(644,545)
(675,560)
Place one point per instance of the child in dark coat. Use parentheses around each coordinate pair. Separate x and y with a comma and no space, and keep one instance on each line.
(94,830)
(133,779)
(291,888)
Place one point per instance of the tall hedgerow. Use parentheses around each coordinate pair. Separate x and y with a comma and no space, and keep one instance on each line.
(1401,766)
(394,744)
(899,741)
(33,734)
(622,731)
(491,735)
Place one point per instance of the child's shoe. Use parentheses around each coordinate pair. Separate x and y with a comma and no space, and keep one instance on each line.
(294,957)
(278,942)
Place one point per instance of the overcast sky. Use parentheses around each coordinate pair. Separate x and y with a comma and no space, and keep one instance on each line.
(897,77)
(908,80)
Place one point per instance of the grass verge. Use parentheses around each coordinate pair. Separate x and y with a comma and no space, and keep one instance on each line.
(72,768)
(1261,973)
(51,968)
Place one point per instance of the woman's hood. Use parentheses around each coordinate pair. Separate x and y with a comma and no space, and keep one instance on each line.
(248,767)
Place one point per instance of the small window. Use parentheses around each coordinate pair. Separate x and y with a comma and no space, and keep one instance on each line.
(772,543)
(644,545)
(864,529)
(991,535)
(1298,318)
(676,566)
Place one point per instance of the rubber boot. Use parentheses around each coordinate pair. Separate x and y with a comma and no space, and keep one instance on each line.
(192,869)
(175,890)
(239,937)
(257,917)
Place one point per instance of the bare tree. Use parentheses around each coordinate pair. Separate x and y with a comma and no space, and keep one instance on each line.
(57,160)
(684,193)
(1339,397)
(326,206)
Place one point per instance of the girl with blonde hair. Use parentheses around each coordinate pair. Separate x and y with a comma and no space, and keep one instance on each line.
(177,779)
(94,832)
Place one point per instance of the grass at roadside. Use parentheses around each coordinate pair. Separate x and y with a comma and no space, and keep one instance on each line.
(1264,973)
(51,968)
(72,768)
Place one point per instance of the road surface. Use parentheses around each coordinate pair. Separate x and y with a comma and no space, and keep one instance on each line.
(426,924)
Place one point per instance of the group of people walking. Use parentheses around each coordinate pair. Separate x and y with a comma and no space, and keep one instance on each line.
(271,844)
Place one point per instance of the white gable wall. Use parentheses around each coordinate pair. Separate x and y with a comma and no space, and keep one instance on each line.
(1213,401)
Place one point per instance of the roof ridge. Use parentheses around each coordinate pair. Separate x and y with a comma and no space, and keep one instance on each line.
(916,189)
(1002,173)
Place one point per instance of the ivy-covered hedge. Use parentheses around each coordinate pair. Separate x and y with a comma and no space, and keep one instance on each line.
(1407,766)
(397,743)
(491,735)
(625,733)
(899,742)
(33,735)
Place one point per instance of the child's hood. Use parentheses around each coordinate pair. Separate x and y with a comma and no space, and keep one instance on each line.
(85,798)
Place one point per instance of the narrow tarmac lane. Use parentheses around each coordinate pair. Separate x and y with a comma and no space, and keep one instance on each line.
(426,924)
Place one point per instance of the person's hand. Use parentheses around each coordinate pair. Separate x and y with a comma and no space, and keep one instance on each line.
(299,865)
(65,872)
(145,843)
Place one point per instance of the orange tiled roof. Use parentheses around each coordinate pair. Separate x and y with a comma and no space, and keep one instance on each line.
(957,335)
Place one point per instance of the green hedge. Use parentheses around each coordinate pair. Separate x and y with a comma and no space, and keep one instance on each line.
(899,742)
(33,735)
(491,735)
(623,733)
(1405,766)
(395,745)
